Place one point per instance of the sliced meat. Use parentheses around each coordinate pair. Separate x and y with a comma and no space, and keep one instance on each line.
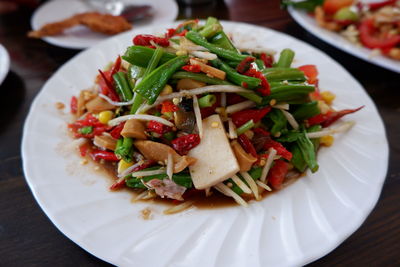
(105,142)
(97,105)
(167,188)
(134,129)
(159,152)
(244,159)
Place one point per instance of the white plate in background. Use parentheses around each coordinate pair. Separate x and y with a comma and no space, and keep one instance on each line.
(309,24)
(292,227)
(4,63)
(80,37)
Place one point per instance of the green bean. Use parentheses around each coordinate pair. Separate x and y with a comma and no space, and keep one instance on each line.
(245,127)
(223,41)
(122,85)
(279,121)
(124,149)
(255,173)
(140,55)
(308,152)
(211,28)
(207,101)
(260,64)
(210,80)
(135,72)
(285,58)
(306,110)
(282,74)
(151,85)
(289,93)
(224,53)
(235,77)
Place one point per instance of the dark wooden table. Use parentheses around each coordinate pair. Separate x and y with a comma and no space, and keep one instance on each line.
(28,238)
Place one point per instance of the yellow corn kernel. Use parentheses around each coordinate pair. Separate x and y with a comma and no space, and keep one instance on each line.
(123,165)
(181,53)
(328,97)
(326,140)
(105,116)
(323,107)
(167,90)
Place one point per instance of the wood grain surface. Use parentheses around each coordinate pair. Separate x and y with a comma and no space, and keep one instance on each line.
(27,236)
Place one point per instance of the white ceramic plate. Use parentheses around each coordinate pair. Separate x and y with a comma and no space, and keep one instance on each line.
(80,37)
(295,226)
(335,39)
(4,63)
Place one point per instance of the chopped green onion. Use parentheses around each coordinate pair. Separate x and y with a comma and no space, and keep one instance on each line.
(245,127)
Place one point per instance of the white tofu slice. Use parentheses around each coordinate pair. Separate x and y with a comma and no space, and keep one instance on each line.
(216,161)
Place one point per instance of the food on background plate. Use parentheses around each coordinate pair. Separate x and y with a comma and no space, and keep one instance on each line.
(187,115)
(374,25)
(103,23)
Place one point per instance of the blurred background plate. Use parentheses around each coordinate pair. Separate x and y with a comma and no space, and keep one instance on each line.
(308,23)
(80,37)
(4,63)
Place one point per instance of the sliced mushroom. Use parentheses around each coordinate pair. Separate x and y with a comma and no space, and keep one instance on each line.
(244,159)
(97,105)
(134,129)
(105,142)
(159,152)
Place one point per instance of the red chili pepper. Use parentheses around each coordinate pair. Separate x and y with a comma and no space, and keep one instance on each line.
(168,106)
(277,173)
(192,68)
(377,5)
(120,184)
(261,131)
(265,88)
(185,143)
(98,154)
(110,88)
(232,98)
(368,38)
(144,40)
(116,132)
(205,112)
(115,68)
(170,32)
(267,59)
(280,149)
(330,117)
(247,145)
(74,105)
(245,64)
(83,149)
(241,117)
(157,127)
(311,72)
(89,120)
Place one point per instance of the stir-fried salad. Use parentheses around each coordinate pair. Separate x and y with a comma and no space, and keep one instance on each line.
(375,25)
(187,113)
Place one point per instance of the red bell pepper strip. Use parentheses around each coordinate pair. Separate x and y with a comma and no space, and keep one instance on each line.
(241,117)
(280,149)
(232,99)
(330,117)
(245,64)
(265,88)
(170,32)
(185,143)
(121,183)
(89,120)
(267,59)
(157,127)
(311,72)
(116,132)
(192,68)
(98,154)
(247,145)
(83,149)
(277,173)
(377,5)
(261,131)
(145,40)
(110,88)
(74,105)
(367,36)
(168,106)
